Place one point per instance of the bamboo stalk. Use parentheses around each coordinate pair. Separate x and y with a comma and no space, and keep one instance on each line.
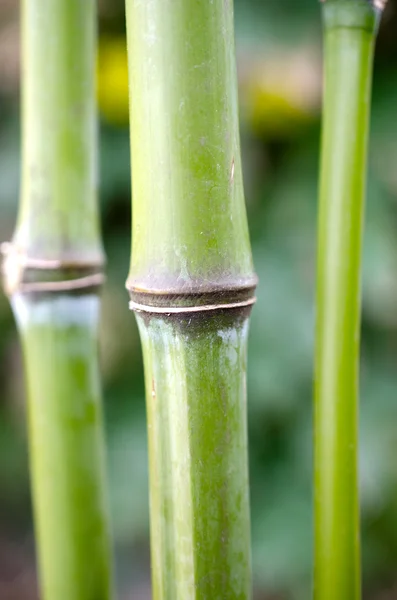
(192,286)
(52,272)
(350,28)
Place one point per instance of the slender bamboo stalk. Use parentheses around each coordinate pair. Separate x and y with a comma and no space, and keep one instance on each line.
(350,29)
(53,271)
(192,285)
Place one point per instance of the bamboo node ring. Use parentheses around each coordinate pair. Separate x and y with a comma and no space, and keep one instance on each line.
(178,310)
(16,264)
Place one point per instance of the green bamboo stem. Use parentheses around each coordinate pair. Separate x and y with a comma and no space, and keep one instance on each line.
(66,444)
(52,272)
(192,283)
(350,30)
(58,217)
(198,465)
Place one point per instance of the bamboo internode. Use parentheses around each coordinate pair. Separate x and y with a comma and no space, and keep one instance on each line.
(350,28)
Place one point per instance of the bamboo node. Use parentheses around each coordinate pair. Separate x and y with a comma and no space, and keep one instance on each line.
(200,296)
(177,310)
(21,273)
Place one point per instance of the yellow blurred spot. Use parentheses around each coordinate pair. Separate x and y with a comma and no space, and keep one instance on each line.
(279,94)
(112,80)
(272,112)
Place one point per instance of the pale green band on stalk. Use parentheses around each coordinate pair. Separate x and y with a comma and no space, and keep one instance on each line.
(350,30)
(378,4)
(354,14)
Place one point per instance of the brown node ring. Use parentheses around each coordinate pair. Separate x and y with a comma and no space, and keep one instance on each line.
(177,310)
(192,300)
(17,266)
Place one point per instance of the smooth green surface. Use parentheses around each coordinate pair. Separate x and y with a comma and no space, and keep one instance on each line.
(66,444)
(355,14)
(190,240)
(348,74)
(195,372)
(58,214)
(189,222)
(58,228)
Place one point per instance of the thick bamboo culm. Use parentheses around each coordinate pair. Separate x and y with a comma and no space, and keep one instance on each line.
(350,28)
(53,269)
(192,286)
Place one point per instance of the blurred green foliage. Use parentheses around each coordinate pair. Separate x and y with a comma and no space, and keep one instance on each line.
(279,56)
